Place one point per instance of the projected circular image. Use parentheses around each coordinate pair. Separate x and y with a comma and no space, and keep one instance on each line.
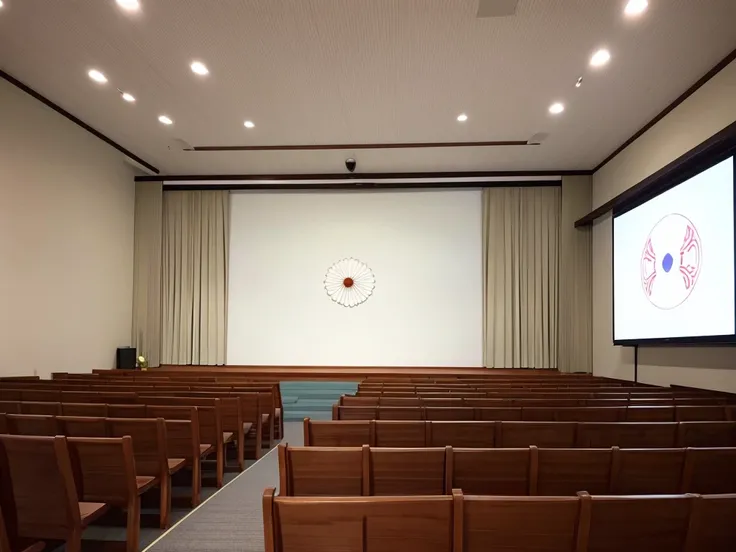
(671,261)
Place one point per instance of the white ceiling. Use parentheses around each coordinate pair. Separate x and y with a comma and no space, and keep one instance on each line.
(363,71)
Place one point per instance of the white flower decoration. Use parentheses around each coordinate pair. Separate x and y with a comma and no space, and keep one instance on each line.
(349,282)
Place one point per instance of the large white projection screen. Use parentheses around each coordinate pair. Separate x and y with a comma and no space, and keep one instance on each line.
(424,248)
(673,258)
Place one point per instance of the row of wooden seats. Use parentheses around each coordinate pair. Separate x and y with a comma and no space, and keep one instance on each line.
(268,397)
(469,523)
(216,421)
(53,487)
(366,471)
(526,394)
(550,413)
(161,447)
(256,409)
(412,433)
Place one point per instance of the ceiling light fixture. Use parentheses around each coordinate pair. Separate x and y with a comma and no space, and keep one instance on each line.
(249,124)
(128,97)
(556,108)
(635,7)
(462,117)
(129,5)
(165,120)
(97,76)
(579,82)
(1,3)
(199,68)
(600,58)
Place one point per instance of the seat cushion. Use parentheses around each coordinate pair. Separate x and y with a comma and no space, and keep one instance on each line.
(145,482)
(175,464)
(90,511)
(206,450)
(227,436)
(247,427)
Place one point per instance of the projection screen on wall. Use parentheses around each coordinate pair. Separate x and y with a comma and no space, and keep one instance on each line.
(423,247)
(673,263)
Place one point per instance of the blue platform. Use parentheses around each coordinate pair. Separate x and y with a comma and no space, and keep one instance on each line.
(312,399)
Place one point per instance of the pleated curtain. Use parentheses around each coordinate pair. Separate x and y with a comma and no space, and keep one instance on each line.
(196,228)
(521,234)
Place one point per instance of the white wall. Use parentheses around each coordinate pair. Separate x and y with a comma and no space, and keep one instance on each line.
(703,114)
(424,249)
(66,242)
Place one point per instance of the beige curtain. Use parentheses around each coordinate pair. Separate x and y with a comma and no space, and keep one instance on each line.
(146,332)
(576,281)
(521,229)
(196,228)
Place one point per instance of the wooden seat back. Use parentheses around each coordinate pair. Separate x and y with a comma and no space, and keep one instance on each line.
(332,434)
(627,435)
(126,410)
(396,433)
(699,413)
(712,527)
(32,424)
(43,408)
(327,471)
(519,523)
(647,471)
(149,443)
(568,471)
(403,472)
(37,495)
(492,471)
(104,469)
(84,409)
(82,426)
(461,434)
(541,434)
(10,407)
(505,414)
(378,524)
(709,471)
(706,434)
(650,414)
(635,524)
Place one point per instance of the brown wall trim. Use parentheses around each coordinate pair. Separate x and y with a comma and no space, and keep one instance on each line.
(61,111)
(662,114)
(677,171)
(361,186)
(361,176)
(395,145)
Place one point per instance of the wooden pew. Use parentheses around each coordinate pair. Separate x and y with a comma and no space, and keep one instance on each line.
(712,527)
(37,486)
(494,471)
(31,424)
(104,471)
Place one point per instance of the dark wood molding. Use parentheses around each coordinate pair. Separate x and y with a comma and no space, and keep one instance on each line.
(394,145)
(76,120)
(667,110)
(679,170)
(361,176)
(361,186)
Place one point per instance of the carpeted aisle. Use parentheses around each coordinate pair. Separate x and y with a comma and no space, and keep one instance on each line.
(232,520)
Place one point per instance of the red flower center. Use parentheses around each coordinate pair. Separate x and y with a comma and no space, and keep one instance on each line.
(348,282)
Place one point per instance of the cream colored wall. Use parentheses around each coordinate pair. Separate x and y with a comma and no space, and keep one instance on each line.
(706,112)
(66,242)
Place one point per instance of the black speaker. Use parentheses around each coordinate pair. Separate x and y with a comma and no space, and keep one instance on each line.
(125,358)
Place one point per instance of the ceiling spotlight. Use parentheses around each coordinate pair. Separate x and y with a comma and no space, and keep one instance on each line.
(249,124)
(1,3)
(199,68)
(579,82)
(97,76)
(635,7)
(462,117)
(165,120)
(128,97)
(600,58)
(129,5)
(556,108)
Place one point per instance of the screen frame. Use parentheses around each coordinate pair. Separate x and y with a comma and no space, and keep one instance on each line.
(695,166)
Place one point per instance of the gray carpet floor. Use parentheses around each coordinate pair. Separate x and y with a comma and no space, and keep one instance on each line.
(232,519)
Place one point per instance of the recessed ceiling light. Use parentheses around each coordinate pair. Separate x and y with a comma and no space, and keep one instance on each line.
(579,82)
(97,76)
(128,97)
(199,68)
(165,120)
(600,58)
(129,5)
(1,3)
(462,117)
(556,108)
(635,7)
(249,124)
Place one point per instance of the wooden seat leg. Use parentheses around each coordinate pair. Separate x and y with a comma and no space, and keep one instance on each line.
(165,502)
(74,542)
(219,458)
(241,452)
(133,532)
(196,481)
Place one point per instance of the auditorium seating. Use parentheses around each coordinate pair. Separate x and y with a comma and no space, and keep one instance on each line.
(473,523)
(368,471)
(474,434)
